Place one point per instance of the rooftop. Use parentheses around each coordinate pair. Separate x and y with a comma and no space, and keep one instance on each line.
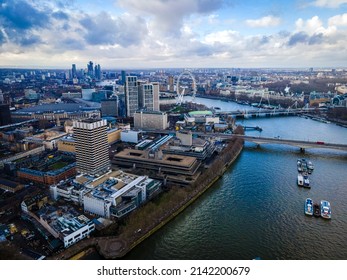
(200,113)
(174,160)
(59,107)
(63,220)
(90,120)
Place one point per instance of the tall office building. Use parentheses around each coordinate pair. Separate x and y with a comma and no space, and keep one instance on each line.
(97,71)
(170,82)
(91,144)
(131,95)
(90,69)
(146,96)
(123,77)
(156,105)
(74,71)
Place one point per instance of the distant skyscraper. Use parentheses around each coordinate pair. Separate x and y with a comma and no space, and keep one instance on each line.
(156,104)
(90,69)
(123,77)
(131,95)
(170,81)
(97,72)
(74,71)
(91,143)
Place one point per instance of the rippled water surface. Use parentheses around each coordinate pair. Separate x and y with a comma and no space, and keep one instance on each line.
(257,209)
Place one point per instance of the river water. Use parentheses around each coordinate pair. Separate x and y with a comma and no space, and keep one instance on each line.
(256,209)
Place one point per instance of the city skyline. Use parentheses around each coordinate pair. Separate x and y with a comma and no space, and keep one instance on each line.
(155,33)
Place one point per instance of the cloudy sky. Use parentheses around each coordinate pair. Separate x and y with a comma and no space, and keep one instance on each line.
(173,33)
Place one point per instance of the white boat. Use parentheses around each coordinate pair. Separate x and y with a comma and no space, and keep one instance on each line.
(309,207)
(299,165)
(325,209)
(306,181)
(300,180)
(310,166)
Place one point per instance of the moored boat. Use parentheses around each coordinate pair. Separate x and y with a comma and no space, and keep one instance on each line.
(316,210)
(325,209)
(310,166)
(306,181)
(300,180)
(299,165)
(309,207)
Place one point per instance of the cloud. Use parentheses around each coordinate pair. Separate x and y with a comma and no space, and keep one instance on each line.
(338,20)
(22,21)
(60,15)
(267,21)
(167,15)
(225,36)
(103,29)
(20,14)
(2,37)
(304,38)
(328,3)
(311,25)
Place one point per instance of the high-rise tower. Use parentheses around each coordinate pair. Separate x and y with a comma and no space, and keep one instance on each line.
(74,71)
(131,95)
(90,69)
(156,105)
(146,96)
(92,155)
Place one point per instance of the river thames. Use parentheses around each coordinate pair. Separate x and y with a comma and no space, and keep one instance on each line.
(256,209)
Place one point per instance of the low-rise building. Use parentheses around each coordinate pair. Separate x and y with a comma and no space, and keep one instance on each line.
(200,117)
(320,97)
(115,193)
(34,203)
(150,120)
(121,191)
(49,138)
(10,186)
(184,144)
(71,94)
(175,168)
(66,224)
(130,136)
(47,169)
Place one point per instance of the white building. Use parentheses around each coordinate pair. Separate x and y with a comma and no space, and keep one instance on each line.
(130,136)
(66,226)
(109,193)
(150,120)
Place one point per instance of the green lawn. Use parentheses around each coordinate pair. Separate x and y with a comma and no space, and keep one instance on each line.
(58,165)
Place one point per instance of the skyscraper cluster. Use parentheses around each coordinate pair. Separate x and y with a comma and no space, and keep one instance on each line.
(92,71)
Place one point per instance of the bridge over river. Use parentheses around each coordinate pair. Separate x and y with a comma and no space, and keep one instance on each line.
(302,144)
(261,112)
(297,143)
